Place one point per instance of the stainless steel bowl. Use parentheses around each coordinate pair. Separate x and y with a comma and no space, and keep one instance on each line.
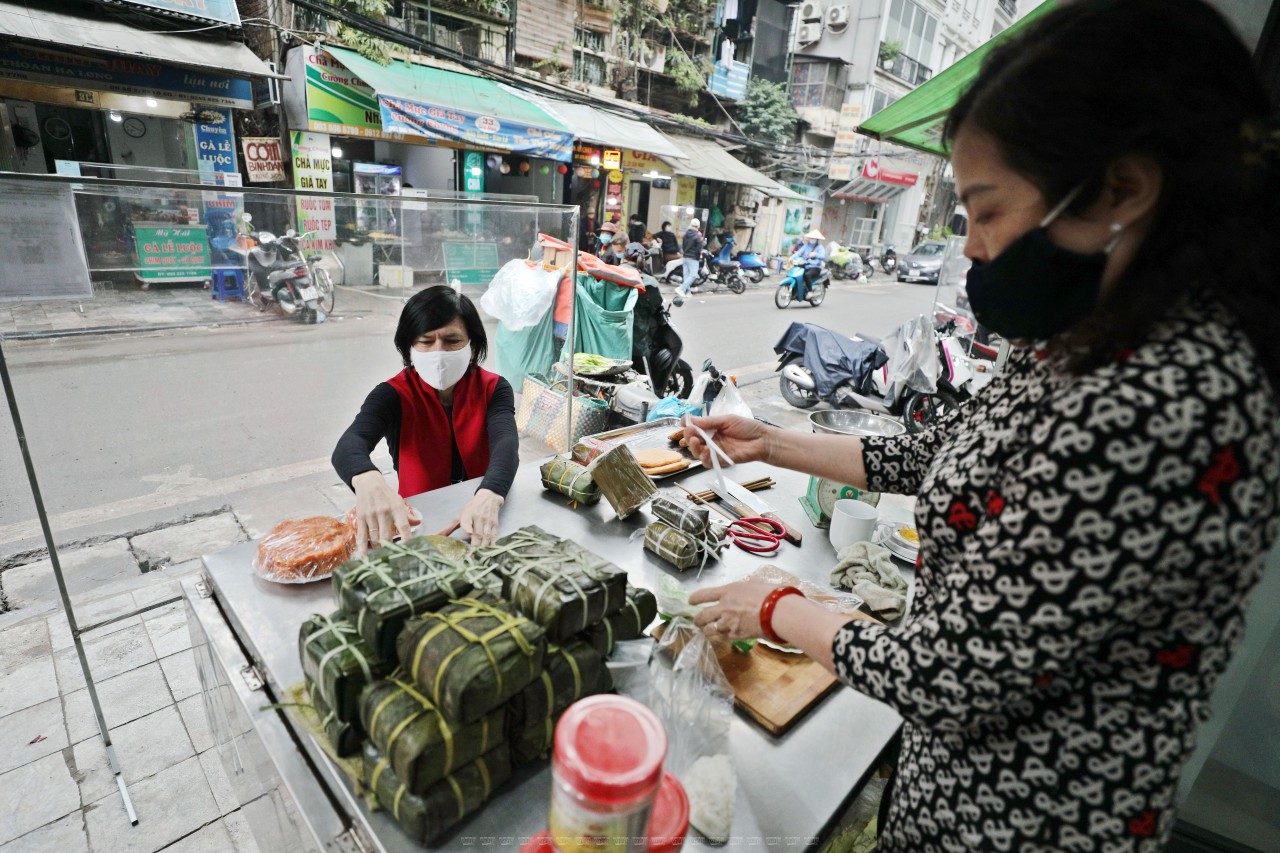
(853,422)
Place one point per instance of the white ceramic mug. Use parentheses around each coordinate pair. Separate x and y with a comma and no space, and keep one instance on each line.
(852,521)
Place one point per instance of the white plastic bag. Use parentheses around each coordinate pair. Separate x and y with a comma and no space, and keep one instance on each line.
(519,295)
(913,358)
(729,402)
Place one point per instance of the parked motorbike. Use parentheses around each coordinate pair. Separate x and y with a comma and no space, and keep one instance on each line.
(844,264)
(716,269)
(794,289)
(279,274)
(657,346)
(889,260)
(753,266)
(867,269)
(860,374)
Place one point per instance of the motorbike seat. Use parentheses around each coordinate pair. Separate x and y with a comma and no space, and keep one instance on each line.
(728,265)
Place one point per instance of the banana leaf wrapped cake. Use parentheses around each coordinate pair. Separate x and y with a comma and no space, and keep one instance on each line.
(344,737)
(572,672)
(626,624)
(385,588)
(471,656)
(427,816)
(421,745)
(337,660)
(570,479)
(555,582)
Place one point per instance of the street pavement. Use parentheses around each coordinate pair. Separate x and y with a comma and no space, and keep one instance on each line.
(166,425)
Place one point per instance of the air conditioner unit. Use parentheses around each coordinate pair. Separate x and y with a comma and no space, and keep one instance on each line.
(837,18)
(811,11)
(808,33)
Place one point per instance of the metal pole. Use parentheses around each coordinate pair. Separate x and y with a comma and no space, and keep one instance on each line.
(62,586)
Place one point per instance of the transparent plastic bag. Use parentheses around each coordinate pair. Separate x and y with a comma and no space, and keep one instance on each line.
(520,295)
(913,358)
(691,695)
(304,549)
(672,407)
(729,402)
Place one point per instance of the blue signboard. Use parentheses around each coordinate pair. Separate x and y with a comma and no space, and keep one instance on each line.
(400,115)
(222,11)
(216,141)
(125,75)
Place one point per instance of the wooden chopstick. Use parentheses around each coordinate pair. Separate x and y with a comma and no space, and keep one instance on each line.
(714,506)
(750,485)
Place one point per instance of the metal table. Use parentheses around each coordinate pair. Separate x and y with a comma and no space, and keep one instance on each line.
(789,788)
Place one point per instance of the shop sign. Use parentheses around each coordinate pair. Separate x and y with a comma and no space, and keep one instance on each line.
(841,169)
(471,263)
(414,118)
(473,172)
(644,162)
(83,97)
(686,190)
(263,159)
(873,171)
(611,158)
(222,11)
(613,195)
(124,75)
(587,154)
(846,130)
(338,101)
(166,253)
(313,170)
(215,141)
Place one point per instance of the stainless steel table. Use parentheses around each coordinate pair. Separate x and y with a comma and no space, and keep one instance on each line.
(789,788)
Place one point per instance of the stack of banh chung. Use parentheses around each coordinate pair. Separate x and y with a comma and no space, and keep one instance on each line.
(445,669)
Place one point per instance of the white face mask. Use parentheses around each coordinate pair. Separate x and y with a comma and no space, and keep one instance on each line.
(441,370)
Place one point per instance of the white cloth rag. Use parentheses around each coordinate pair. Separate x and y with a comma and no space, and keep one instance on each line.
(868,570)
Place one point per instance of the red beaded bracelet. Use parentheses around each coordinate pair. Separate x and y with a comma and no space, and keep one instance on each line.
(766,612)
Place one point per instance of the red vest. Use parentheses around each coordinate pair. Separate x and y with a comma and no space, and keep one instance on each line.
(426,451)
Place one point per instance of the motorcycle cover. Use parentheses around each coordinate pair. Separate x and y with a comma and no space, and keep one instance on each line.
(832,358)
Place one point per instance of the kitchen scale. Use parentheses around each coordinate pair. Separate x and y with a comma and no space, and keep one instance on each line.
(821,496)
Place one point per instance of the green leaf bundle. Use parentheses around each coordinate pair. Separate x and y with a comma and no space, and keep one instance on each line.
(338,662)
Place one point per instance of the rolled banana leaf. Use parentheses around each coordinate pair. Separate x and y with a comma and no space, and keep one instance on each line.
(412,734)
(571,672)
(688,519)
(570,479)
(338,662)
(345,737)
(627,624)
(471,656)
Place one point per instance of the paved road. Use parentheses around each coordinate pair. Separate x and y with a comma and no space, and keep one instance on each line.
(132,431)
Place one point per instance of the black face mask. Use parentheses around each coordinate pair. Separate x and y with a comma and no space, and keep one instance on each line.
(1035,289)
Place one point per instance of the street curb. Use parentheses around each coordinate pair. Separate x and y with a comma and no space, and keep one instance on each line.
(124,330)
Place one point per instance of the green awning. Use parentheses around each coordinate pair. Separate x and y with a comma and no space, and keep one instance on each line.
(433,103)
(916,120)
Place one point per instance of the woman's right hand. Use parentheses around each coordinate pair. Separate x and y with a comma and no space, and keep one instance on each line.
(380,512)
(742,439)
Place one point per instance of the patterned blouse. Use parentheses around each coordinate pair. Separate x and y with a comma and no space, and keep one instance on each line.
(1088,547)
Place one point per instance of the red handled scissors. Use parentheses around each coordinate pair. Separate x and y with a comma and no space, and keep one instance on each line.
(761,536)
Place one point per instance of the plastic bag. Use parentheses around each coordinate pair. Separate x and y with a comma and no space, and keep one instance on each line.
(520,295)
(729,402)
(304,549)
(672,407)
(694,700)
(913,358)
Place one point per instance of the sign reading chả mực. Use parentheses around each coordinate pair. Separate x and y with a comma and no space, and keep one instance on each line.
(43,255)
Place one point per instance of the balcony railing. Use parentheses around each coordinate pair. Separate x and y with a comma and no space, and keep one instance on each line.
(905,68)
(1009,6)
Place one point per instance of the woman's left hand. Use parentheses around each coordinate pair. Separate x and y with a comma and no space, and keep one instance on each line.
(479,518)
(735,614)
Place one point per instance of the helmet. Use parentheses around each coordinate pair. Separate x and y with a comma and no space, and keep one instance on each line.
(693,223)
(635,252)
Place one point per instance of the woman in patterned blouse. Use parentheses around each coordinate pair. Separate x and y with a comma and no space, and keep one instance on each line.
(1092,524)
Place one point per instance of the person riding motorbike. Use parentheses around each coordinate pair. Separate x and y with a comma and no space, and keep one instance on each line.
(812,255)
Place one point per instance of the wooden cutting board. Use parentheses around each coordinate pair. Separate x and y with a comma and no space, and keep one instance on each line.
(775,688)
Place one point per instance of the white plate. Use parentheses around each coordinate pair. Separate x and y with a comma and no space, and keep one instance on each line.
(901,552)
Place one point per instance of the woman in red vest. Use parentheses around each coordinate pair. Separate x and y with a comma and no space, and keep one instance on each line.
(445,420)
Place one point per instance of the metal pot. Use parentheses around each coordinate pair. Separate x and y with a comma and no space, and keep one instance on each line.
(853,422)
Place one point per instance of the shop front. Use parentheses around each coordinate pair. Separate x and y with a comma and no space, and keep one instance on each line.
(865,212)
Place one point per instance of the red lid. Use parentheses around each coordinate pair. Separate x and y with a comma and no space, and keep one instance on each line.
(669,821)
(609,749)
(668,825)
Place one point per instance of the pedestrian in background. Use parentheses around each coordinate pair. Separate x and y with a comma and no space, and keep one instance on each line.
(670,243)
(635,231)
(1091,525)
(691,247)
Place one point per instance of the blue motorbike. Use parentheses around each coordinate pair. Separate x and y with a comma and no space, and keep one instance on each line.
(794,288)
(752,265)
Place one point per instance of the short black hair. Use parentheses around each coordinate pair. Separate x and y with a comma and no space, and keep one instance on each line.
(434,307)
(665,225)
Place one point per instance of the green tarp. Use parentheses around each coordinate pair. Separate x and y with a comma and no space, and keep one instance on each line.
(916,120)
(602,313)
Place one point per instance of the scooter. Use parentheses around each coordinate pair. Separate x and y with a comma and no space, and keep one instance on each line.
(280,275)
(753,266)
(657,354)
(889,260)
(717,269)
(867,269)
(845,264)
(794,289)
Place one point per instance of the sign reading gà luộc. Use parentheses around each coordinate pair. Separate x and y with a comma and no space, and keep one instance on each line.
(222,11)
(413,118)
(171,253)
(215,141)
(263,159)
(125,75)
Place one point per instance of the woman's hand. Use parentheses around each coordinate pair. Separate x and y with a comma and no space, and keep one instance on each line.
(479,518)
(380,512)
(735,613)
(743,439)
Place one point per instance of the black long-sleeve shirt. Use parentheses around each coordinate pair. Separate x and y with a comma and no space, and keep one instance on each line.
(380,416)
